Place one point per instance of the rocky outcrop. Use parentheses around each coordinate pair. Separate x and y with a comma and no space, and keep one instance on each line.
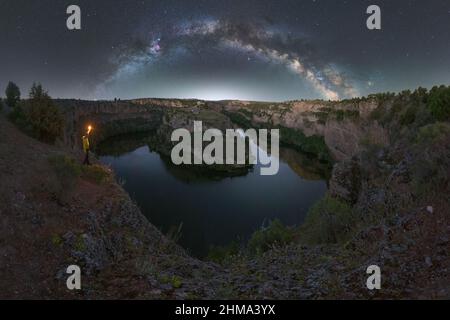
(345,182)
(343,125)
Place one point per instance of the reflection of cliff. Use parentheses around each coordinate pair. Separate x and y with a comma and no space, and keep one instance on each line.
(306,167)
(157,141)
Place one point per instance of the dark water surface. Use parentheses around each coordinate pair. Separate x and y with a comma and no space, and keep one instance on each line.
(213,212)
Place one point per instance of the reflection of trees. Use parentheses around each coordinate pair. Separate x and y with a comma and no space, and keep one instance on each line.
(306,167)
(202,173)
(119,145)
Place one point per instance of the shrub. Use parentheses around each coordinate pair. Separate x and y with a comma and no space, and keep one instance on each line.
(430,133)
(377,113)
(43,115)
(439,103)
(275,234)
(17,115)
(409,116)
(430,168)
(220,254)
(329,221)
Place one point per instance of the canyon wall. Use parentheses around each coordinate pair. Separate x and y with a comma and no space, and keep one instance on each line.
(344,126)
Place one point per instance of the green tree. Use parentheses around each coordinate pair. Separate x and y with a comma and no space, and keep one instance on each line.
(12,94)
(43,115)
(439,103)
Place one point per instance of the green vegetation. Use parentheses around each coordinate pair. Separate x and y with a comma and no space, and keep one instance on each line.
(43,115)
(175,281)
(12,94)
(439,103)
(325,113)
(328,221)
(432,132)
(66,168)
(239,119)
(38,116)
(430,169)
(68,171)
(413,109)
(57,240)
(220,254)
(314,145)
(276,234)
(80,244)
(344,114)
(96,173)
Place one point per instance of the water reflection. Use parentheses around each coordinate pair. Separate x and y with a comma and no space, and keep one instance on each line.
(214,210)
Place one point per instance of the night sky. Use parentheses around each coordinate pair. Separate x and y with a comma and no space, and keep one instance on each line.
(245,49)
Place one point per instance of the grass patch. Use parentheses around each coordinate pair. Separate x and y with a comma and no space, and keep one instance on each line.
(68,171)
(96,173)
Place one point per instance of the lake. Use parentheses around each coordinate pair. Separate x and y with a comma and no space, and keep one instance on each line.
(208,210)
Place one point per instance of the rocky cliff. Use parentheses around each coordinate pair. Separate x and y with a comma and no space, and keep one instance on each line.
(343,125)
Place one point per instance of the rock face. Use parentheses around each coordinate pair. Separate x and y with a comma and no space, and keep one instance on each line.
(312,118)
(345,182)
(342,135)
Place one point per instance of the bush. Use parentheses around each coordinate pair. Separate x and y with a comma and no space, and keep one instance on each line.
(329,221)
(17,115)
(220,254)
(439,103)
(409,116)
(43,115)
(432,132)
(377,113)
(275,234)
(430,168)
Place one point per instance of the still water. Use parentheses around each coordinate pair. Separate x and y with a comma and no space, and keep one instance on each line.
(213,211)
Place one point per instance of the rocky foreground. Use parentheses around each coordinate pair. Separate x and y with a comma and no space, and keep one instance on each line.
(49,222)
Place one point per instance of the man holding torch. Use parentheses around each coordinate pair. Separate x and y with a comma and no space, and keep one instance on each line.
(86,146)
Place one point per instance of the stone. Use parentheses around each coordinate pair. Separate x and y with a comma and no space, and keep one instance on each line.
(345,182)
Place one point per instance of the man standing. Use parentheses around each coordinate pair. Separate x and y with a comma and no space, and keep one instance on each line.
(86,147)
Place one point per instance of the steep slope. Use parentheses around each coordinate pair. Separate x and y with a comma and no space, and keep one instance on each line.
(97,227)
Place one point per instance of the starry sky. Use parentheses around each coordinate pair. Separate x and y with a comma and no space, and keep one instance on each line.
(229,49)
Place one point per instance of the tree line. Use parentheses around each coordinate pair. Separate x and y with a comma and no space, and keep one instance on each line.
(38,115)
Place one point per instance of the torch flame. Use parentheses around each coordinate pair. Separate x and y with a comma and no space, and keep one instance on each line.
(89,129)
